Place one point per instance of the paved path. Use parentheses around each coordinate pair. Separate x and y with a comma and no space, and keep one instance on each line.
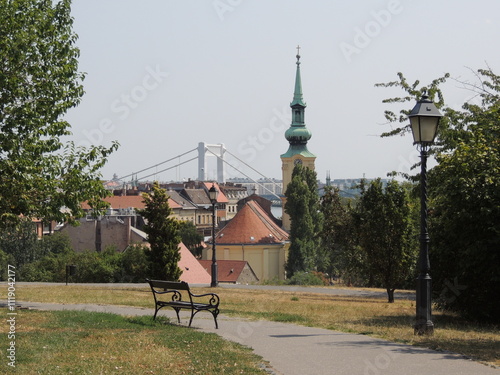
(297,350)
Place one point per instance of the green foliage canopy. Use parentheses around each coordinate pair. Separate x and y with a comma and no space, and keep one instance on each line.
(190,237)
(338,236)
(39,83)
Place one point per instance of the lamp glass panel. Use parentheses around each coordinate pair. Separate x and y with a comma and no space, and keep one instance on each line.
(415,129)
(428,128)
(424,128)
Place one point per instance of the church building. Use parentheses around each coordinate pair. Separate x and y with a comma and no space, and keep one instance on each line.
(297,135)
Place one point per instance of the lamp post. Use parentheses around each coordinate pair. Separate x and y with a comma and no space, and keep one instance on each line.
(424,119)
(212,193)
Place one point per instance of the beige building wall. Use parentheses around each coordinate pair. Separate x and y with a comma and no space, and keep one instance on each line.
(114,232)
(185,215)
(267,260)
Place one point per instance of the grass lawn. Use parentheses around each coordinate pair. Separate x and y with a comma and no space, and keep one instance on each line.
(371,316)
(79,342)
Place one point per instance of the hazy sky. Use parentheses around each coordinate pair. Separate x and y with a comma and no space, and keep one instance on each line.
(164,75)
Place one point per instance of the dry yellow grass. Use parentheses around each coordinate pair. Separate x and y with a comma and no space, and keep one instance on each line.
(65,342)
(370,316)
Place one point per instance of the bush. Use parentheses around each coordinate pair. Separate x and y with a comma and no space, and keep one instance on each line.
(307,278)
(51,268)
(94,267)
(274,281)
(55,253)
(135,264)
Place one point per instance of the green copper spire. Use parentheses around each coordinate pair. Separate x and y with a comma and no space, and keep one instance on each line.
(297,94)
(297,134)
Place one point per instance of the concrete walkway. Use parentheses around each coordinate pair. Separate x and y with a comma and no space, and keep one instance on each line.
(298,350)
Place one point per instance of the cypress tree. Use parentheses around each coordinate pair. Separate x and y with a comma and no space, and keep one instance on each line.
(303,207)
(163,235)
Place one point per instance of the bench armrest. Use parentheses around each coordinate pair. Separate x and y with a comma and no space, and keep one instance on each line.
(176,295)
(214,298)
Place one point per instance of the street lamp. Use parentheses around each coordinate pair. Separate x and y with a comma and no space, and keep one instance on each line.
(212,193)
(424,120)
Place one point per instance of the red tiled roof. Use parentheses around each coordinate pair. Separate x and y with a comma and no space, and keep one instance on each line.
(228,271)
(192,271)
(221,197)
(126,201)
(251,225)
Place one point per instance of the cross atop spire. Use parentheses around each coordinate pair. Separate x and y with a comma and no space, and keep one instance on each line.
(298,54)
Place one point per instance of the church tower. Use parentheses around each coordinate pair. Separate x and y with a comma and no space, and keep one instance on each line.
(297,135)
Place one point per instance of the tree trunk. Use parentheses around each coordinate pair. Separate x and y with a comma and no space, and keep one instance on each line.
(390,295)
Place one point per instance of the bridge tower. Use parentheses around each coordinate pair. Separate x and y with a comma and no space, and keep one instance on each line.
(207,150)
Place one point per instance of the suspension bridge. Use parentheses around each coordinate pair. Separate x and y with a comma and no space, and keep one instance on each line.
(202,153)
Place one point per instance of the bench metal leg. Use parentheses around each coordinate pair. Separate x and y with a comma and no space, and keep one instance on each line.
(213,312)
(177,312)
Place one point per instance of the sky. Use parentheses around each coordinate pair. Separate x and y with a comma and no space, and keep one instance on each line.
(164,75)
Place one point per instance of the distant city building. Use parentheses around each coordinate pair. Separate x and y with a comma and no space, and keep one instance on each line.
(234,193)
(349,187)
(262,186)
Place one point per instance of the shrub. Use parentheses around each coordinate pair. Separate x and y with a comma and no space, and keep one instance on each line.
(135,264)
(306,278)
(94,267)
(51,268)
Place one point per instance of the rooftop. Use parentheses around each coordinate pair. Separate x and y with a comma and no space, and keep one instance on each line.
(251,225)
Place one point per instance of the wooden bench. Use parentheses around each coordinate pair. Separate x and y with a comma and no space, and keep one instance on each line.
(172,290)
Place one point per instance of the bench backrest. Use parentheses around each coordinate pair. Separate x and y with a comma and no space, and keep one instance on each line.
(176,285)
(160,287)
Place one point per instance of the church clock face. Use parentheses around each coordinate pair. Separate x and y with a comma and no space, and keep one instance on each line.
(297,161)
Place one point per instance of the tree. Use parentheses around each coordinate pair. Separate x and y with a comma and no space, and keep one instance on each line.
(19,239)
(465,224)
(303,207)
(39,83)
(464,188)
(338,236)
(163,235)
(386,234)
(191,238)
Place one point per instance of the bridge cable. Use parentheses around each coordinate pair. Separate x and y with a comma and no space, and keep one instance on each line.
(236,169)
(163,162)
(166,169)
